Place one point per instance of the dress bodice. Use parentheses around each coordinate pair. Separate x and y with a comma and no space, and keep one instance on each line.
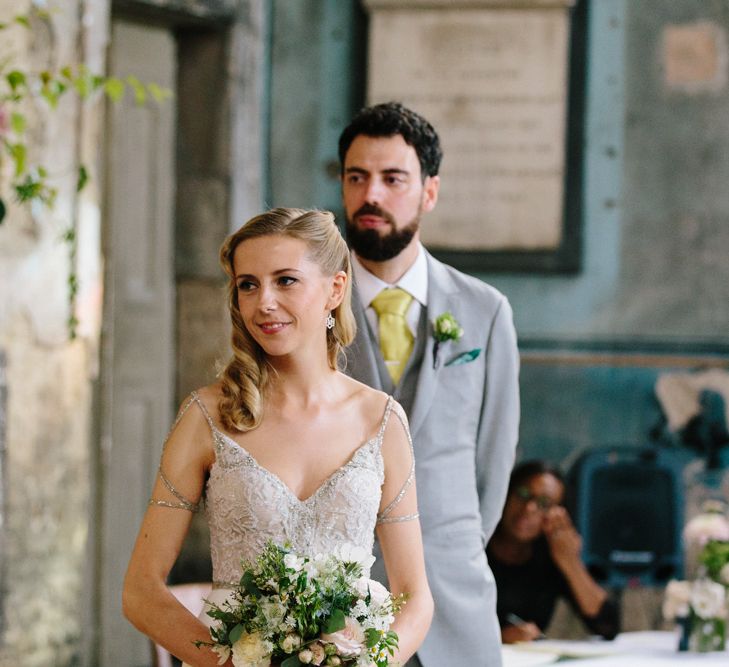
(247,505)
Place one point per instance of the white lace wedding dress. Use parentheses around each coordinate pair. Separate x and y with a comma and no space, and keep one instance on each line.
(247,505)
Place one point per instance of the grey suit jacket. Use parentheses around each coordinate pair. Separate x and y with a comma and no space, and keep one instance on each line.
(464,420)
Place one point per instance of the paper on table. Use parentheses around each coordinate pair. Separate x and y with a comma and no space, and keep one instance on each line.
(513,657)
(647,640)
(567,648)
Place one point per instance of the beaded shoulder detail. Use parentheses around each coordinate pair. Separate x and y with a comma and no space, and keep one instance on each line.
(182,502)
(385,515)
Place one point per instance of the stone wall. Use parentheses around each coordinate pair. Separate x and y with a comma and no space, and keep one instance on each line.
(49,377)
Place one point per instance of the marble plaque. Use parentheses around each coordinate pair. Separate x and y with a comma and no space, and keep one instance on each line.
(494,84)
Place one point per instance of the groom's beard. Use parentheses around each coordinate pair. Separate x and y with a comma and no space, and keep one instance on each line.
(371,244)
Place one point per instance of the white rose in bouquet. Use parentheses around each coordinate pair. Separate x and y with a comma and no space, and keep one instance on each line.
(350,553)
(251,650)
(293,562)
(291,642)
(377,592)
(708,599)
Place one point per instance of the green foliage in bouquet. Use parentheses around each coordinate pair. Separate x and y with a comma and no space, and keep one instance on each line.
(715,558)
(300,610)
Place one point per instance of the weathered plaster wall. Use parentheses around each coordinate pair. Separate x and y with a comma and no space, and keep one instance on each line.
(676,171)
(49,378)
(47,501)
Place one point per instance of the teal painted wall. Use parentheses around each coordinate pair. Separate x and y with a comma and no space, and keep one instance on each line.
(316,84)
(656,205)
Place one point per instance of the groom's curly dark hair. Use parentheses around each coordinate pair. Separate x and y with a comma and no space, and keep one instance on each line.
(392,118)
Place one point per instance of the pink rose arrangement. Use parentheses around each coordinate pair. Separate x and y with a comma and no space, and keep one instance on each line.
(298,610)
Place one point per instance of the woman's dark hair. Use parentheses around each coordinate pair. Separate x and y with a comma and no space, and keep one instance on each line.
(390,119)
(523,472)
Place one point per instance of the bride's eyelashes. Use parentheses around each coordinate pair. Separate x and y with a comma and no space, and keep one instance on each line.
(245,286)
(248,284)
(282,281)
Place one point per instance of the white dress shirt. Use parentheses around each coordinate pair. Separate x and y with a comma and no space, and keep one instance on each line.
(414,282)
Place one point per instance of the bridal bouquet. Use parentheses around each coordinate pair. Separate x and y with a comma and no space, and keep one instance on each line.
(297,610)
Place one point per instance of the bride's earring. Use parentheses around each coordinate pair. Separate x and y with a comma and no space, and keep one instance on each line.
(330,321)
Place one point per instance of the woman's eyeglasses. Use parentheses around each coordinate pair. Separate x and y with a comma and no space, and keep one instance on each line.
(543,503)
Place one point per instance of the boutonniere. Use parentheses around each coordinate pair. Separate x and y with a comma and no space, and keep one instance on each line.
(445,328)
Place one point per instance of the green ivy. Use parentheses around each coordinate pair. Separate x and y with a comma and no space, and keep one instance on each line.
(33,182)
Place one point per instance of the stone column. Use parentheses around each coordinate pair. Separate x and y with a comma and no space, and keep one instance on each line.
(492,76)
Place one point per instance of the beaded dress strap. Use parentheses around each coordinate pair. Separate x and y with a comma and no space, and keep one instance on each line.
(194,396)
(184,503)
(384,515)
(385,417)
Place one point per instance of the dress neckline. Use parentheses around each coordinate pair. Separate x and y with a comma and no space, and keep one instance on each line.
(272,475)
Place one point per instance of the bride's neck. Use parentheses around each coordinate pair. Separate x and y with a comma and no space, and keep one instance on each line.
(301,385)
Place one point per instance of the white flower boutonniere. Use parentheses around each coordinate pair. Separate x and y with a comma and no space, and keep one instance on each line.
(445,328)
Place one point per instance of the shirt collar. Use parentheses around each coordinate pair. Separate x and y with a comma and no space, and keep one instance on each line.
(414,281)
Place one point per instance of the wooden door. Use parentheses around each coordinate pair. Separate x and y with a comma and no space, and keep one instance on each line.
(138,352)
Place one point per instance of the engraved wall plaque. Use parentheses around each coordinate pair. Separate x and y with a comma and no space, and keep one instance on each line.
(492,77)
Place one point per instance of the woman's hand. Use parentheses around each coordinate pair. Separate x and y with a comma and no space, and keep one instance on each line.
(524,632)
(564,541)
(565,545)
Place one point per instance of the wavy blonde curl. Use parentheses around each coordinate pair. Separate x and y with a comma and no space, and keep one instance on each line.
(247,374)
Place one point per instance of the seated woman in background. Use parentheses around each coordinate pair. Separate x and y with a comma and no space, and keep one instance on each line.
(535,557)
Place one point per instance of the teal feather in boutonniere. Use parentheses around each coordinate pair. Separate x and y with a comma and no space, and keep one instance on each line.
(464,357)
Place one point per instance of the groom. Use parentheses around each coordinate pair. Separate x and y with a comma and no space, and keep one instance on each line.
(461,394)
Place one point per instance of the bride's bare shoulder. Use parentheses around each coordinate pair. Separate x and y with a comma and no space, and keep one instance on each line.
(367,400)
(210,396)
(211,392)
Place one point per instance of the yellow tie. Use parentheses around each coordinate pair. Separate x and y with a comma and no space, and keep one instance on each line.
(396,340)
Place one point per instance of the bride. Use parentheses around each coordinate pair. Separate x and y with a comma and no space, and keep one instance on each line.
(284,447)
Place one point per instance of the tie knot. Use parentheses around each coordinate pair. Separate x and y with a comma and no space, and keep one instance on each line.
(394,301)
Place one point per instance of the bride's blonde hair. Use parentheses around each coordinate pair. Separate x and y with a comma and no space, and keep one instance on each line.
(247,374)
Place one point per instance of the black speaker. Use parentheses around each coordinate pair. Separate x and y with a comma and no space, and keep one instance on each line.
(629,511)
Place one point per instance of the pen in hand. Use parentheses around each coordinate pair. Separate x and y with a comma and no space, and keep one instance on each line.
(516,620)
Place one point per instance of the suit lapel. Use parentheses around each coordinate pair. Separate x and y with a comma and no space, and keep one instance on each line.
(440,291)
(362,356)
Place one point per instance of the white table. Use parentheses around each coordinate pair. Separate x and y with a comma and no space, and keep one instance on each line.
(629,649)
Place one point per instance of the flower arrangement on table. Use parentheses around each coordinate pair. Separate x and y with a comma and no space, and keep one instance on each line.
(701,605)
(299,610)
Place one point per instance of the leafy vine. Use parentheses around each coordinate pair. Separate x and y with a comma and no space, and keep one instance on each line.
(32,182)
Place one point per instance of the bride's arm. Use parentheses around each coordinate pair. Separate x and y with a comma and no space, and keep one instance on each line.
(146,600)
(398,531)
